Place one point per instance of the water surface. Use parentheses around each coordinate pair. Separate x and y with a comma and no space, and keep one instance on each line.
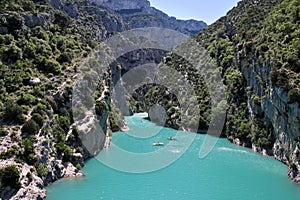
(228,172)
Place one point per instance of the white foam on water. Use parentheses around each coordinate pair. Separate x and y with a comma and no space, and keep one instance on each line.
(232,150)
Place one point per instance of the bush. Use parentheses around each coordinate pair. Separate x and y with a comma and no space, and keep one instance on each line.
(13,112)
(38,119)
(40,33)
(60,147)
(280,78)
(7,154)
(62,20)
(12,54)
(30,127)
(59,134)
(64,123)
(294,96)
(29,153)
(42,170)
(65,58)
(256,100)
(48,66)
(29,176)
(243,131)
(101,107)
(3,132)
(15,22)
(9,176)
(68,154)
(78,166)
(27,99)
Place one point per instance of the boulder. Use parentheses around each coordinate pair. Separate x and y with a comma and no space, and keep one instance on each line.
(34,81)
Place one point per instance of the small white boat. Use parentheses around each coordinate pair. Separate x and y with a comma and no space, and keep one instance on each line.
(158,144)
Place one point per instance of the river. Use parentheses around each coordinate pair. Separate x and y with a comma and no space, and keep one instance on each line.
(228,172)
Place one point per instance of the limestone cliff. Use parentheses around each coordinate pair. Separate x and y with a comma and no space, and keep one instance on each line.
(261,76)
(139,14)
(256,47)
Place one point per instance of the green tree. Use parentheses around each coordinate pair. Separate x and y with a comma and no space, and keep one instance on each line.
(3,132)
(13,112)
(15,22)
(27,99)
(29,152)
(42,170)
(294,95)
(30,127)
(38,119)
(10,176)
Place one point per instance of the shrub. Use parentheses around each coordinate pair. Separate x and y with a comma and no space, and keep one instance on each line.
(40,33)
(68,154)
(13,112)
(294,96)
(3,132)
(42,170)
(280,78)
(9,176)
(60,147)
(65,58)
(243,131)
(12,54)
(64,123)
(256,100)
(38,119)
(29,153)
(59,134)
(78,166)
(101,107)
(7,154)
(30,127)
(27,99)
(62,19)
(48,66)
(109,132)
(29,176)
(15,22)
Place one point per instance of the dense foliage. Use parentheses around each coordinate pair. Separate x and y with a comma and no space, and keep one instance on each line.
(40,42)
(254,34)
(9,176)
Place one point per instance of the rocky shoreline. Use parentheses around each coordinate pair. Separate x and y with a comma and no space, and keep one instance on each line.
(32,187)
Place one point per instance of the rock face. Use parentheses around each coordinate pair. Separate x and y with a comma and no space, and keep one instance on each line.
(139,14)
(33,21)
(70,8)
(279,113)
(257,98)
(123,4)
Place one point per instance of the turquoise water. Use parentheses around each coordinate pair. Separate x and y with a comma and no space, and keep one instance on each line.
(228,172)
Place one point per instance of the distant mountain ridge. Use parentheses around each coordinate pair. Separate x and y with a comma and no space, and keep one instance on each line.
(139,14)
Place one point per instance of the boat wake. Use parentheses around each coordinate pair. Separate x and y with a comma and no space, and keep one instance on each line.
(232,150)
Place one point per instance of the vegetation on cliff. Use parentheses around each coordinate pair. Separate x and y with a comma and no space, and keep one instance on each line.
(42,44)
(256,48)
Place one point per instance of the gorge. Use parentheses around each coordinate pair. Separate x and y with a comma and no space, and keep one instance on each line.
(255,47)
